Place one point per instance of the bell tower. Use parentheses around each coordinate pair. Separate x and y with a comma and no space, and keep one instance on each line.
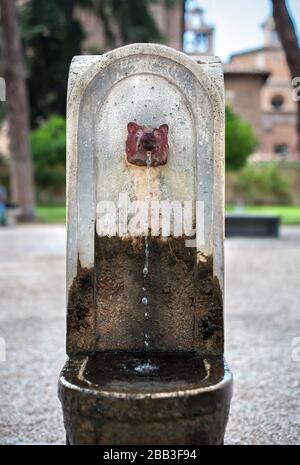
(271,37)
(198,36)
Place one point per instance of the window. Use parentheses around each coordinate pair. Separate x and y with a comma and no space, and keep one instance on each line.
(197,36)
(195,42)
(277,102)
(281,149)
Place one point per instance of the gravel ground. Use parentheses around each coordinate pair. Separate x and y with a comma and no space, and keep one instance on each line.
(262,320)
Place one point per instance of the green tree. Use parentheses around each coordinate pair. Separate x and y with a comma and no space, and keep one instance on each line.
(51,37)
(128,21)
(48,145)
(263,184)
(240,141)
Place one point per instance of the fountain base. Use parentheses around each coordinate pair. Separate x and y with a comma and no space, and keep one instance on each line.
(160,399)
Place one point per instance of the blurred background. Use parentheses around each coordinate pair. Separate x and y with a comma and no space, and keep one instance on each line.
(258,42)
(262,118)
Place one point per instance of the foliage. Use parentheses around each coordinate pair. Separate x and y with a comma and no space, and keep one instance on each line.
(289,214)
(4,172)
(51,37)
(48,143)
(2,111)
(51,213)
(263,184)
(240,141)
(130,21)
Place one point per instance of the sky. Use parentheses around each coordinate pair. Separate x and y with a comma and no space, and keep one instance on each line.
(238,23)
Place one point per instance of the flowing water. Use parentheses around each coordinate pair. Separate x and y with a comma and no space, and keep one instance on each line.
(145,366)
(145,300)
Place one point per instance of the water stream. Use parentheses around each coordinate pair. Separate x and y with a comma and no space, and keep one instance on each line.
(145,301)
(145,366)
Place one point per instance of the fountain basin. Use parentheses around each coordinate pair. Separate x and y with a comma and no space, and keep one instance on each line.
(132,398)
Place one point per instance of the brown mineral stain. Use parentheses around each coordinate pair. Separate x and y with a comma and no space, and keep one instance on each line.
(80,311)
(105,310)
(184,299)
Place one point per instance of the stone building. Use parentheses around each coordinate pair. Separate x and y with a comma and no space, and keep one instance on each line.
(257,85)
(276,126)
(198,36)
(243,88)
(257,81)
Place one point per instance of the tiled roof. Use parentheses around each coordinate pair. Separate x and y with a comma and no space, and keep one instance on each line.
(231,68)
(268,48)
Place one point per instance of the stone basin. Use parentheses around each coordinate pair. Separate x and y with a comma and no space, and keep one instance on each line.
(133,398)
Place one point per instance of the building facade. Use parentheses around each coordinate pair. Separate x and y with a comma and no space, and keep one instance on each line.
(257,85)
(278,134)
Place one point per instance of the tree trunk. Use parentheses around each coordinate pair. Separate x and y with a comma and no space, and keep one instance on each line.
(287,33)
(17,113)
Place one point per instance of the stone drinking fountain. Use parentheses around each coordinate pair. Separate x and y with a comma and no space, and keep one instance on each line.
(145,337)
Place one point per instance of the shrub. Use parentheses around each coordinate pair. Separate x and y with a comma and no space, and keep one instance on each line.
(240,141)
(263,184)
(48,143)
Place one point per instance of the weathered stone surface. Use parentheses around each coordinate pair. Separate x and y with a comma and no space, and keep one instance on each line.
(150,84)
(186,307)
(184,403)
(80,312)
(185,397)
